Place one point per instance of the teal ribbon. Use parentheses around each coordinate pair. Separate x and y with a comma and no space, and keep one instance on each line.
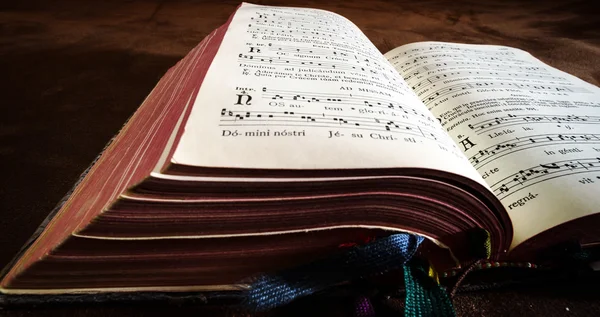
(424,297)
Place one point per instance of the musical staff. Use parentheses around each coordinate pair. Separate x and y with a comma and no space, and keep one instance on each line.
(339,54)
(495,74)
(307,50)
(510,119)
(444,47)
(498,84)
(340,51)
(311,39)
(273,30)
(312,19)
(494,152)
(422,70)
(277,60)
(304,119)
(543,172)
(295,25)
(350,100)
(442,59)
(435,55)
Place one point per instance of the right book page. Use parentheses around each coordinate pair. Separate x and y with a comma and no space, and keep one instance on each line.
(530,130)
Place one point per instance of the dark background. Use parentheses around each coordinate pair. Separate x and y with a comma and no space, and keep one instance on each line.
(72,72)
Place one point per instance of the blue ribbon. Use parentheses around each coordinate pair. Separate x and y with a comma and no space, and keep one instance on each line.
(382,255)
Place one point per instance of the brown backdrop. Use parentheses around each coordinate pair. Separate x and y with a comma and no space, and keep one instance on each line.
(72,72)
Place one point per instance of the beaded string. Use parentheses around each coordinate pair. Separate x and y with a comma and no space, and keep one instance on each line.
(485,264)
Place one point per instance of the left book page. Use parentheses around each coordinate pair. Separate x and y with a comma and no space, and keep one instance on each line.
(295,88)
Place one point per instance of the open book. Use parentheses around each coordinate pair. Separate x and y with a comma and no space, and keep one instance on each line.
(286,133)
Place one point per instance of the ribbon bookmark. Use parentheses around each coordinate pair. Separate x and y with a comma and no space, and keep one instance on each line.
(382,255)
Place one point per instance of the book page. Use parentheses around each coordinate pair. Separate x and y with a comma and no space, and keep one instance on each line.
(295,88)
(531,131)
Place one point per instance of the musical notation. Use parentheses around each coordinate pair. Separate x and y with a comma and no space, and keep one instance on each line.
(446,48)
(340,51)
(350,100)
(322,22)
(498,84)
(494,152)
(340,54)
(496,74)
(277,60)
(271,30)
(304,16)
(511,119)
(418,59)
(298,26)
(307,50)
(436,66)
(304,119)
(412,65)
(311,39)
(543,172)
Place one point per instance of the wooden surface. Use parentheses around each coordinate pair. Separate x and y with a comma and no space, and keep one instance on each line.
(73,71)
